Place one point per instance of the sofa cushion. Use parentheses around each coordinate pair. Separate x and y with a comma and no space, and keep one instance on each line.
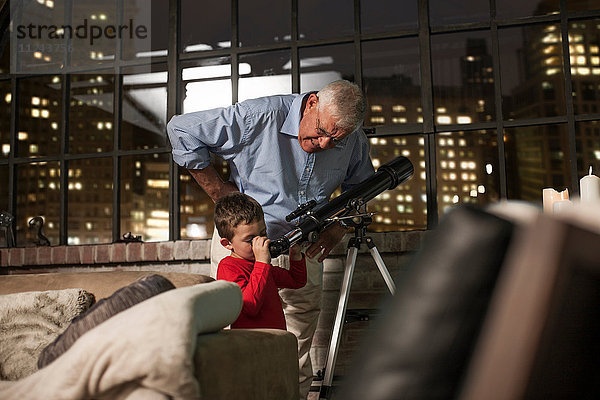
(134,293)
(148,346)
(102,284)
(31,320)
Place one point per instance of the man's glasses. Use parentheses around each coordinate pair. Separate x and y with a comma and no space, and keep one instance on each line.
(322,132)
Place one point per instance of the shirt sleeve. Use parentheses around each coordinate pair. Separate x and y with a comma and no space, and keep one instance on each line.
(295,278)
(253,288)
(194,136)
(361,166)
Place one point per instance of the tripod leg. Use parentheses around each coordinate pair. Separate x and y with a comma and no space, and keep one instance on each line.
(383,269)
(336,335)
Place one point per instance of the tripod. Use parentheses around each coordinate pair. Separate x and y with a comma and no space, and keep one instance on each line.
(360,224)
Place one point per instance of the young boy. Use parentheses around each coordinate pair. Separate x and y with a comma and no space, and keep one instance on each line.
(240,222)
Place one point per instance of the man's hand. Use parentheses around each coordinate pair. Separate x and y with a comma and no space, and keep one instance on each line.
(328,239)
(260,248)
(211,182)
(295,253)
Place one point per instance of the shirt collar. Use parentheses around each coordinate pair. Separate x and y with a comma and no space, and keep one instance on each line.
(291,125)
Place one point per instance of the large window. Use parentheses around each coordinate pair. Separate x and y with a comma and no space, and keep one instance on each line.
(489,100)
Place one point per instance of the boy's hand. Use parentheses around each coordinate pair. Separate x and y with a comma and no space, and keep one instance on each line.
(260,248)
(295,253)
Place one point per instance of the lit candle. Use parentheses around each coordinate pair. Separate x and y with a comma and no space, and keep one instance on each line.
(589,187)
(550,196)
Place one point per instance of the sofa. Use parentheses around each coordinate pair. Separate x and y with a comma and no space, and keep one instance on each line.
(170,346)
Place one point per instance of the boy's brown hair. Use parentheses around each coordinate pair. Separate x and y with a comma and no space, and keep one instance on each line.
(234,209)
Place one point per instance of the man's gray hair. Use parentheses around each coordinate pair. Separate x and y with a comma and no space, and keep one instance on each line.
(345,102)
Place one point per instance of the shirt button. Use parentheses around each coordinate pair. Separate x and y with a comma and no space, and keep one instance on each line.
(307,169)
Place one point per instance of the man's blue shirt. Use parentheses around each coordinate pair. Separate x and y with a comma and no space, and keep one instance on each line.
(259,140)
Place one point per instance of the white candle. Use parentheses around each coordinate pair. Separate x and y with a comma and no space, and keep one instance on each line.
(589,187)
(560,206)
(550,196)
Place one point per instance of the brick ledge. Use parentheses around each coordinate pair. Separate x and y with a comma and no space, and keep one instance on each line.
(180,250)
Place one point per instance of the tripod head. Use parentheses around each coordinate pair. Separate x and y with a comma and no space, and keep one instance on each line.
(313,220)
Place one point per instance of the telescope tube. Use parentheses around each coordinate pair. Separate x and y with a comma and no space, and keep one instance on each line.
(387,177)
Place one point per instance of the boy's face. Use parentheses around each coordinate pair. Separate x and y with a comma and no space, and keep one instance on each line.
(241,242)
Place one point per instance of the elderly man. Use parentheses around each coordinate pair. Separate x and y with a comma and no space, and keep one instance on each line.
(283,151)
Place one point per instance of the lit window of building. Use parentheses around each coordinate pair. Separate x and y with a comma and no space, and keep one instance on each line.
(444,119)
(376,108)
(398,108)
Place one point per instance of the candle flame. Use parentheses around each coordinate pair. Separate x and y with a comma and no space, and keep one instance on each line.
(590,169)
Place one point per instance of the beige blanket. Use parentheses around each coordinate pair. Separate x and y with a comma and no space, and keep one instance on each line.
(145,352)
(29,321)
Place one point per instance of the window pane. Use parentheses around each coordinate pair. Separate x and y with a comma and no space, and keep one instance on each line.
(144,108)
(381,16)
(463,78)
(39,116)
(4,186)
(582,5)
(509,9)
(255,25)
(536,158)
(197,209)
(269,74)
(91,113)
(90,201)
(5,53)
(467,168)
(205,25)
(588,147)
(150,19)
(444,12)
(36,48)
(405,207)
(325,19)
(5,100)
(38,189)
(85,52)
(322,65)
(584,49)
(532,71)
(206,83)
(392,82)
(145,196)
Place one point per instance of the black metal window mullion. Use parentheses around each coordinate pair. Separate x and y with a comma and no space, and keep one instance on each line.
(357,44)
(116,159)
(427,112)
(117,113)
(235,40)
(564,27)
(295,57)
(173,108)
(498,101)
(64,163)
(13,143)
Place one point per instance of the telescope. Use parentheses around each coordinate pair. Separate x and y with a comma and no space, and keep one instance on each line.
(312,221)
